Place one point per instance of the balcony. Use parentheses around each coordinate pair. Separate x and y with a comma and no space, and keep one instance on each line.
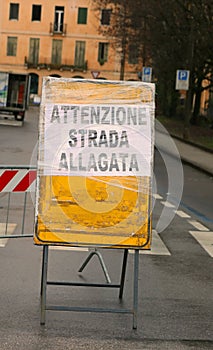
(58,29)
(60,67)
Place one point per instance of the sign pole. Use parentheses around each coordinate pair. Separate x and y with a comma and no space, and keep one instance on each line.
(135,289)
(123,273)
(44,284)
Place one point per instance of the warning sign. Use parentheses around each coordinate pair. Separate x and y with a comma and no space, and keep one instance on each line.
(95,74)
(95,163)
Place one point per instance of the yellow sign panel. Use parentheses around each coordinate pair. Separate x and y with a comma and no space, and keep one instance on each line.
(95,163)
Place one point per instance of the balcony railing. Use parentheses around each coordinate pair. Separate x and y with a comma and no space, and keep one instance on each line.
(51,66)
(58,29)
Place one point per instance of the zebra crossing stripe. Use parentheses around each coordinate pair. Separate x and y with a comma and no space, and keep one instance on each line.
(3,242)
(182,214)
(157,246)
(10,230)
(168,204)
(75,249)
(205,239)
(198,225)
(157,196)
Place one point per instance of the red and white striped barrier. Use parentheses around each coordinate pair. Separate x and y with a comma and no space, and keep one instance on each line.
(17,180)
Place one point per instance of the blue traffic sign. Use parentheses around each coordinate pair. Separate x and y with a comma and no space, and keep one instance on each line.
(183,75)
(147,70)
(147,74)
(182,80)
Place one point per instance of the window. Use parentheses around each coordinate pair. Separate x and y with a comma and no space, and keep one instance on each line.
(103,52)
(14,11)
(59,19)
(133,54)
(80,54)
(34,78)
(56,51)
(105,17)
(36,12)
(34,51)
(82,15)
(11,45)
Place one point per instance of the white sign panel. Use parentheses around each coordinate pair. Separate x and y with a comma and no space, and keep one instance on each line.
(182,80)
(97,140)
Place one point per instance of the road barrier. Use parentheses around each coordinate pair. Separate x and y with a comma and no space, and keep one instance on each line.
(17,196)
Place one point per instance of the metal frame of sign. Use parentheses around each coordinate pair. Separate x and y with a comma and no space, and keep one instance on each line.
(45,282)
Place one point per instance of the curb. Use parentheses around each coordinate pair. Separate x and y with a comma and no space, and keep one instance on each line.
(196,166)
(206,149)
(186,160)
(193,164)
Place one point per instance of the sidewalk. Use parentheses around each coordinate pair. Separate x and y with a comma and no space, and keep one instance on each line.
(191,154)
(195,156)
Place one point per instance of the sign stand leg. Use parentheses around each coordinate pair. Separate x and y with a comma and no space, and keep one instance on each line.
(135,289)
(44,284)
(95,252)
(123,273)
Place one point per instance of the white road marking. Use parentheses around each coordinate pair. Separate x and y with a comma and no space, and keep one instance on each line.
(168,204)
(10,229)
(76,249)
(157,196)
(182,214)
(157,246)
(205,239)
(3,242)
(198,225)
(10,121)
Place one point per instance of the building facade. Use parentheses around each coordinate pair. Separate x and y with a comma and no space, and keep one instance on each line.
(59,38)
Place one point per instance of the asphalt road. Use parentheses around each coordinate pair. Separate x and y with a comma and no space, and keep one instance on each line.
(175,279)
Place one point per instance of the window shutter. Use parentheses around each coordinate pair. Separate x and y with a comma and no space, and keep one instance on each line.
(82,15)
(80,53)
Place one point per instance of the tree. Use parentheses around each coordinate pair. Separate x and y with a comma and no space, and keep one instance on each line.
(173,34)
(181,38)
(120,32)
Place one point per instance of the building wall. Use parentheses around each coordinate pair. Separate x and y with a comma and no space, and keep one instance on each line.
(24,29)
